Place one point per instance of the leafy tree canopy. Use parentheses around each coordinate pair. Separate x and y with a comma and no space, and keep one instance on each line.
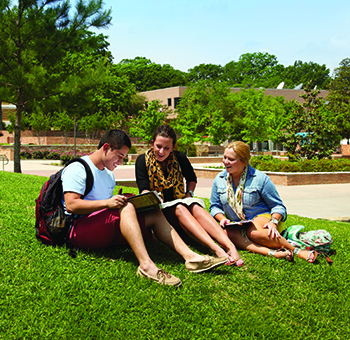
(209,72)
(339,97)
(302,73)
(34,37)
(311,132)
(147,76)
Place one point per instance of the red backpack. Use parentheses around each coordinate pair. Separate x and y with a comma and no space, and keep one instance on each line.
(52,224)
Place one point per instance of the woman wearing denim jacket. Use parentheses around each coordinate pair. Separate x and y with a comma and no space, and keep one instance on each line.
(242,193)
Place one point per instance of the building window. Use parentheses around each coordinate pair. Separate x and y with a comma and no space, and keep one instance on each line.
(169,101)
(176,101)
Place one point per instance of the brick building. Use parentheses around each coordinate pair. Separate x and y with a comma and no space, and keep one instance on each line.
(171,96)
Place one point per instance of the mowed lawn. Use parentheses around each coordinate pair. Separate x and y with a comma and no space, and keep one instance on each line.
(45,294)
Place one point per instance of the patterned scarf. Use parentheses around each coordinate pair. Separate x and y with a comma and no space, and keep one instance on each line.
(235,200)
(157,179)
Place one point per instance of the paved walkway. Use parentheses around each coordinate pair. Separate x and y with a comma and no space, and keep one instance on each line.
(327,201)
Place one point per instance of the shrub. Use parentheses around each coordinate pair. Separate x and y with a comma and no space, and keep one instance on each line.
(40,154)
(314,165)
(132,150)
(66,156)
(54,155)
(25,154)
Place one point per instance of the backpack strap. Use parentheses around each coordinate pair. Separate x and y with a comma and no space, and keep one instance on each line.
(89,184)
(326,256)
(89,176)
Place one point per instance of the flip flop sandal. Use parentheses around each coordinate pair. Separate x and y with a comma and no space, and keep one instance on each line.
(235,262)
(296,251)
(314,252)
(289,255)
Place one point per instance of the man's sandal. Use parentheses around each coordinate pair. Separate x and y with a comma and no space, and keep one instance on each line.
(309,258)
(289,255)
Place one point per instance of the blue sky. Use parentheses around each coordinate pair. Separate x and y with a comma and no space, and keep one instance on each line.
(188,33)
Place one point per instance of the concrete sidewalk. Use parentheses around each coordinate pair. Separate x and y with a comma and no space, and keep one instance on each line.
(326,201)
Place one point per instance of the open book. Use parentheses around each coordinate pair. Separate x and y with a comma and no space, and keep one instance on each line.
(238,223)
(151,200)
(146,201)
(187,201)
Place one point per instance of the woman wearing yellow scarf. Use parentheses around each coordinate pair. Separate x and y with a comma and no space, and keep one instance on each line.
(163,169)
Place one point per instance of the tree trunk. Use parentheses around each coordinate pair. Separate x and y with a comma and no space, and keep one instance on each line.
(1,125)
(17,144)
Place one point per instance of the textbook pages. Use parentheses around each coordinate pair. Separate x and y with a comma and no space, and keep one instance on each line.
(187,201)
(238,223)
(151,200)
(146,201)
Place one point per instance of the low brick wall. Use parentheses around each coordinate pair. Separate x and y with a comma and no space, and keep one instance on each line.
(207,159)
(284,178)
(306,178)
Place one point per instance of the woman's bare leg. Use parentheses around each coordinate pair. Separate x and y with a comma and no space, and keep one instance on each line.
(196,231)
(166,234)
(242,242)
(210,225)
(259,235)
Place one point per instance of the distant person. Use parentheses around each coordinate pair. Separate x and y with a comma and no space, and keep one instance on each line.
(163,169)
(104,220)
(242,193)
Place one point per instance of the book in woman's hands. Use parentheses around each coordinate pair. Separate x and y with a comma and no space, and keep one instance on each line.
(187,201)
(238,223)
(151,200)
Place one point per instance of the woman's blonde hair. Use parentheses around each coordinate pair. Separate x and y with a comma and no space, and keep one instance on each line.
(241,149)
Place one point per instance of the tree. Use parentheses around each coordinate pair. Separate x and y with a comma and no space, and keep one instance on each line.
(35,36)
(254,67)
(302,73)
(191,120)
(63,122)
(92,125)
(40,122)
(147,75)
(148,121)
(208,72)
(206,113)
(261,116)
(311,132)
(339,97)
(254,70)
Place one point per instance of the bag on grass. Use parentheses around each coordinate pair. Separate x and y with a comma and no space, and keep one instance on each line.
(319,240)
(51,223)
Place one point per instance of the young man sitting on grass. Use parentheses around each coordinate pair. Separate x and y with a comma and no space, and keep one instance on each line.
(105,220)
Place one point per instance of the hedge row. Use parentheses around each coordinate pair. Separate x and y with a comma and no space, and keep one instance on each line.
(269,163)
(63,156)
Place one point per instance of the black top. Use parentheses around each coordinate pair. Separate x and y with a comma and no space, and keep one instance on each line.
(142,178)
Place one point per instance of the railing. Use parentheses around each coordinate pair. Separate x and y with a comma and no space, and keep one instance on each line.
(4,160)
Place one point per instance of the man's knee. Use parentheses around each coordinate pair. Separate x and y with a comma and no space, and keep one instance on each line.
(128,209)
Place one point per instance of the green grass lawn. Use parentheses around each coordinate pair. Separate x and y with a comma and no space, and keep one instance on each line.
(45,294)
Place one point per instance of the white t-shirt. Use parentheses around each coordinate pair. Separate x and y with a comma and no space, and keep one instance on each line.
(74,180)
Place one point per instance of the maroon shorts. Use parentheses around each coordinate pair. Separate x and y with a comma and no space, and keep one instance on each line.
(101,229)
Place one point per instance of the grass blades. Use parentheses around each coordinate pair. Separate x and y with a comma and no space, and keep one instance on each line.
(45,294)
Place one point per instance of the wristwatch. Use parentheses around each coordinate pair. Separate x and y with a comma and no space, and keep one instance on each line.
(275,221)
(191,192)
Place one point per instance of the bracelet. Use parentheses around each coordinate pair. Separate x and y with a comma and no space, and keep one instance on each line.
(274,220)
(190,192)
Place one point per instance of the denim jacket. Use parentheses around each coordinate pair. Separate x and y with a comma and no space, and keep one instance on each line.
(259,196)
